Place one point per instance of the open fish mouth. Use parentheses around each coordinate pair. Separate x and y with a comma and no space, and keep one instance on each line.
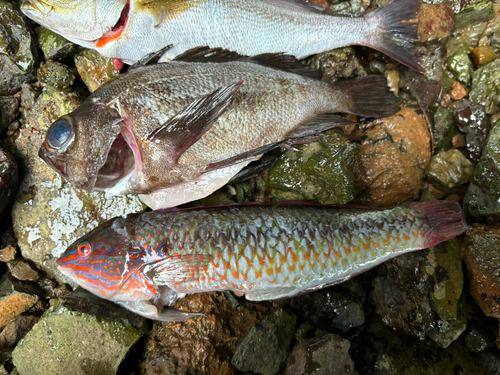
(119,164)
(117,29)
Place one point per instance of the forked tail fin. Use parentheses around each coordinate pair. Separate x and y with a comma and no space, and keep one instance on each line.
(396,31)
(446,220)
(369,97)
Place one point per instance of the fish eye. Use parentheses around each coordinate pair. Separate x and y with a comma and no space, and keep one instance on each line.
(60,135)
(84,249)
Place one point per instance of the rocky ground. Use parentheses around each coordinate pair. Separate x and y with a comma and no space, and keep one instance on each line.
(435,311)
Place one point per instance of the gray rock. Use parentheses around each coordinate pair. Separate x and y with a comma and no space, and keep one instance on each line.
(471,120)
(444,130)
(321,356)
(17,50)
(71,342)
(49,214)
(8,179)
(9,110)
(477,340)
(483,196)
(332,311)
(474,14)
(486,86)
(265,346)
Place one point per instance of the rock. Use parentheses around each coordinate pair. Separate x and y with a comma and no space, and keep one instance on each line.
(8,253)
(17,50)
(444,130)
(57,75)
(94,69)
(54,46)
(49,214)
(16,329)
(392,80)
(488,362)
(321,356)
(483,55)
(448,170)
(8,179)
(472,121)
(454,4)
(12,301)
(459,63)
(482,255)
(351,8)
(457,91)
(320,171)
(477,340)
(486,86)
(71,342)
(435,22)
(265,346)
(22,271)
(458,141)
(340,63)
(483,196)
(9,110)
(474,14)
(202,345)
(393,153)
(332,311)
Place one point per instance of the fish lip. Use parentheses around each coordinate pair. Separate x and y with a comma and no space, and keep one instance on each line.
(118,29)
(57,163)
(36,8)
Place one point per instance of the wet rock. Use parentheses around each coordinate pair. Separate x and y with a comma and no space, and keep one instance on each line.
(320,171)
(57,75)
(21,270)
(444,129)
(472,121)
(486,86)
(48,213)
(457,91)
(393,153)
(321,356)
(99,349)
(8,253)
(9,110)
(458,141)
(341,63)
(483,55)
(265,346)
(483,196)
(16,329)
(448,170)
(332,311)
(94,69)
(17,50)
(435,21)
(12,301)
(54,46)
(482,256)
(351,8)
(204,344)
(488,362)
(8,179)
(459,63)
(473,14)
(477,340)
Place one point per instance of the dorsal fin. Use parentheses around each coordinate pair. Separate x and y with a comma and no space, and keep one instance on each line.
(150,58)
(279,61)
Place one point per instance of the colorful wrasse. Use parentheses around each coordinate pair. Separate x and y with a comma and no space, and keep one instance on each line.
(176,132)
(129,30)
(149,260)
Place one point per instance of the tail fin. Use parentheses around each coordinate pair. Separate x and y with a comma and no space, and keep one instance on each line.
(396,31)
(446,219)
(369,97)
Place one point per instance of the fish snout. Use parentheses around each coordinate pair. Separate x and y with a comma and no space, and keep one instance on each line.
(36,8)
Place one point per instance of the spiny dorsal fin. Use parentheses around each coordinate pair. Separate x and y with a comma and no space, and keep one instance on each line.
(279,61)
(188,126)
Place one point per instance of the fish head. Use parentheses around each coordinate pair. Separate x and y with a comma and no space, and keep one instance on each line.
(108,262)
(87,148)
(81,21)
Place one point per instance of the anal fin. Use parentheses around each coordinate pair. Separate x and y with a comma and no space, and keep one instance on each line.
(272,293)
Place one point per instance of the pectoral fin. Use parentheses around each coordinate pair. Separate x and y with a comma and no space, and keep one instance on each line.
(150,58)
(148,310)
(318,125)
(187,127)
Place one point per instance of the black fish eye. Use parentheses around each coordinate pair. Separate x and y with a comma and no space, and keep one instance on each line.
(60,135)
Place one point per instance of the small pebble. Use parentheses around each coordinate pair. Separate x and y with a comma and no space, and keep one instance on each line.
(446,101)
(393,80)
(458,141)
(7,254)
(23,271)
(483,55)
(457,91)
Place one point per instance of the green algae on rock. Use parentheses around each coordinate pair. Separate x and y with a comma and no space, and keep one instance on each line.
(57,75)
(460,64)
(486,86)
(449,169)
(52,213)
(320,171)
(483,196)
(473,14)
(94,69)
(444,130)
(54,46)
(17,50)
(71,342)
(340,63)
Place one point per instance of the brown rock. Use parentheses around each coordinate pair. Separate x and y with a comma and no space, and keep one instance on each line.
(14,305)
(204,345)
(481,253)
(8,253)
(483,55)
(393,154)
(23,271)
(458,141)
(435,22)
(16,329)
(457,91)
